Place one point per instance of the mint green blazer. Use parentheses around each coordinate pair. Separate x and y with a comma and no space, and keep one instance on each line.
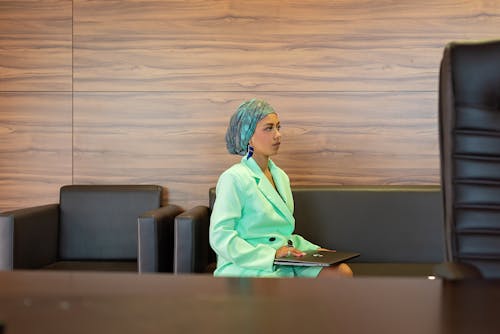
(251,220)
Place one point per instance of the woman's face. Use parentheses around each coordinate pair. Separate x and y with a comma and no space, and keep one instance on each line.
(266,139)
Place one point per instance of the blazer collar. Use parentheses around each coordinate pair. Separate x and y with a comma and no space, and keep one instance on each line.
(281,203)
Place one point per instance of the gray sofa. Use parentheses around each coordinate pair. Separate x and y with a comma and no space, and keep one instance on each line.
(397,229)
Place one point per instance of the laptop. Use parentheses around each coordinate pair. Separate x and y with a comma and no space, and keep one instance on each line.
(317,258)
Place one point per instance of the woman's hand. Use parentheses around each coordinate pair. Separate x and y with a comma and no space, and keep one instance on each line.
(287,251)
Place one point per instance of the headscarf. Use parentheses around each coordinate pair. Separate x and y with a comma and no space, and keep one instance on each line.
(243,122)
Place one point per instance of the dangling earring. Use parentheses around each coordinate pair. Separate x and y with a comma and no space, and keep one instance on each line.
(250,151)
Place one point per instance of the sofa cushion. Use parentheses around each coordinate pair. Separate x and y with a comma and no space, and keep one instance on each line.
(100,222)
(398,224)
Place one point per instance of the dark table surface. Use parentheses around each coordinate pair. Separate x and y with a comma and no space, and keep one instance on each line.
(82,302)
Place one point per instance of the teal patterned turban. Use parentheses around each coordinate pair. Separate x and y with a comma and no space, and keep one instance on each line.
(243,122)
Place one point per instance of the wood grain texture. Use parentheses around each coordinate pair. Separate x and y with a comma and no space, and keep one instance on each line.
(291,45)
(36,45)
(155,82)
(177,139)
(35,148)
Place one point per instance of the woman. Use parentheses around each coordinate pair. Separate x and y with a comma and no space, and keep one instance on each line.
(252,220)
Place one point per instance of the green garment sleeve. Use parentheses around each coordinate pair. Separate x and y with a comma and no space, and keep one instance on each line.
(224,237)
(302,244)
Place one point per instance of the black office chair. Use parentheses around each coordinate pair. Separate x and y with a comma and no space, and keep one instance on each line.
(469,119)
(93,227)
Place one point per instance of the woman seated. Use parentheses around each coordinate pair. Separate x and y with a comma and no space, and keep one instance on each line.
(252,220)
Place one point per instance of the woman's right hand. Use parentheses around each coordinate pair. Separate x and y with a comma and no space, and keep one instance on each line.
(287,251)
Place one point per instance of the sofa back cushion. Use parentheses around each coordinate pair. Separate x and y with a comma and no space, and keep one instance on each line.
(99,222)
(384,223)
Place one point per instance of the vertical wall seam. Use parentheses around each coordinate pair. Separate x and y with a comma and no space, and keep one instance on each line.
(72,93)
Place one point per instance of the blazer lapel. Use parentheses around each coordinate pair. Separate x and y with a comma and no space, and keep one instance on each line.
(283,186)
(267,189)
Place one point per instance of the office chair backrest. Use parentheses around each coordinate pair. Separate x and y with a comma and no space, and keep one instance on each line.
(469,117)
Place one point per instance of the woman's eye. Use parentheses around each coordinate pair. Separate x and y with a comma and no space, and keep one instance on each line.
(271,127)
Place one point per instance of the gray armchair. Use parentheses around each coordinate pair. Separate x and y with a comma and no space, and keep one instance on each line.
(93,227)
(469,129)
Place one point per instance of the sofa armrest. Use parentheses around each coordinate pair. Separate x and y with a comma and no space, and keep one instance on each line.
(456,271)
(156,239)
(192,252)
(29,237)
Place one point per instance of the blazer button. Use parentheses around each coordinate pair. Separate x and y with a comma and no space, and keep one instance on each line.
(272,239)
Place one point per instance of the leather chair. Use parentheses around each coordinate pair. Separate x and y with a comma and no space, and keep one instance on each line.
(93,227)
(469,133)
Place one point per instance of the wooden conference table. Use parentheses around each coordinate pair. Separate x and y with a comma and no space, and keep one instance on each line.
(79,302)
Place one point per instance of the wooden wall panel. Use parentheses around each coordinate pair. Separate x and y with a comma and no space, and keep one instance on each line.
(35,148)
(262,45)
(154,83)
(36,45)
(177,139)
